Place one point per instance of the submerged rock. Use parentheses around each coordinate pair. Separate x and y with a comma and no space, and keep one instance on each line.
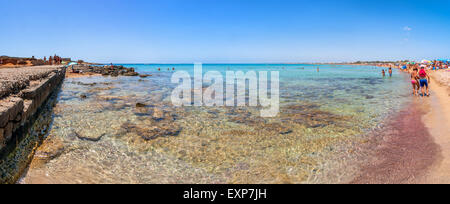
(86,84)
(140,105)
(90,137)
(311,116)
(155,132)
(145,75)
(131,74)
(50,149)
(158,114)
(286,132)
(160,124)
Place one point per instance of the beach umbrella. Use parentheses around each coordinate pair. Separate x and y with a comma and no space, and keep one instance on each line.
(425,61)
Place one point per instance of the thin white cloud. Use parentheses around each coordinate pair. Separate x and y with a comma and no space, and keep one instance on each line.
(407,28)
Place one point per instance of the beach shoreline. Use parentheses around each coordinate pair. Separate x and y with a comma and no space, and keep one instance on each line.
(414,147)
(394,153)
(437,121)
(403,154)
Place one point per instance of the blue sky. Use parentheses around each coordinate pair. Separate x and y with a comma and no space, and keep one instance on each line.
(238,31)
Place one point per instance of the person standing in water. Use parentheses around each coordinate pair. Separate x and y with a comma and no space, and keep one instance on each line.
(415,82)
(383,73)
(390,71)
(424,80)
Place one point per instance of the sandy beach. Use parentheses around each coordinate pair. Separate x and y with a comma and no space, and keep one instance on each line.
(414,147)
(437,120)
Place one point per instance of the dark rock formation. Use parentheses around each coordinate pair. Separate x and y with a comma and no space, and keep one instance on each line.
(88,138)
(145,75)
(107,70)
(140,105)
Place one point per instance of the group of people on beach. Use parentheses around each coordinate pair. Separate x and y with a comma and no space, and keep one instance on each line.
(55,60)
(383,72)
(420,80)
(419,74)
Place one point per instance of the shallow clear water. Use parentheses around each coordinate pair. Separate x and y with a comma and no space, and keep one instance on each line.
(103,137)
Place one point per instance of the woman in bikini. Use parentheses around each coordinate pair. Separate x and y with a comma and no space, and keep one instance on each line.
(415,82)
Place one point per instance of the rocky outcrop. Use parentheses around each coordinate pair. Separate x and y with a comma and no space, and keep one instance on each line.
(106,70)
(24,93)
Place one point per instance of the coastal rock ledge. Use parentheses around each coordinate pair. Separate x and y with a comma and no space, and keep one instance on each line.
(26,99)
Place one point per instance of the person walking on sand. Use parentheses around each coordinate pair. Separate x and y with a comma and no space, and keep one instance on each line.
(424,80)
(415,82)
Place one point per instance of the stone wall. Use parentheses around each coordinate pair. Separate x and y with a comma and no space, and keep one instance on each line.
(24,94)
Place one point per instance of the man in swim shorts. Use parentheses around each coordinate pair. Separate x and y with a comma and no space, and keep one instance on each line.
(390,71)
(424,80)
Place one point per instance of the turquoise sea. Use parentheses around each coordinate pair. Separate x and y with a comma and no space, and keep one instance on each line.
(100,134)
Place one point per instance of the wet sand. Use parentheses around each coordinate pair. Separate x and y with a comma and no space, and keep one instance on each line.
(403,149)
(437,120)
(415,146)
